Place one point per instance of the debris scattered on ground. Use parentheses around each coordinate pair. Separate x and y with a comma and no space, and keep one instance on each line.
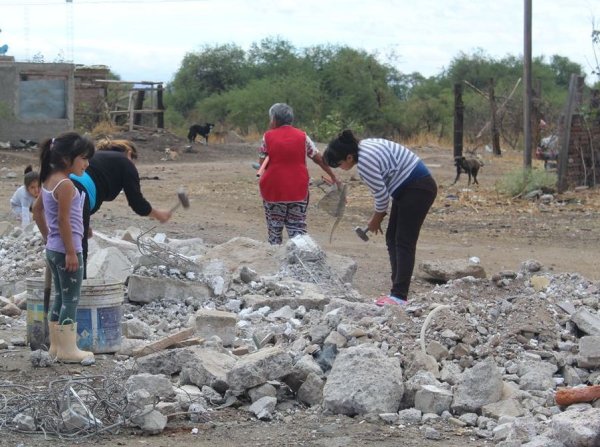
(281,331)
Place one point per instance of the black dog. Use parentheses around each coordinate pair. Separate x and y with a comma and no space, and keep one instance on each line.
(198,129)
(470,166)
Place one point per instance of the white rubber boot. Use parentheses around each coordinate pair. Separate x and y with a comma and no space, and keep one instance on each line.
(52,350)
(66,341)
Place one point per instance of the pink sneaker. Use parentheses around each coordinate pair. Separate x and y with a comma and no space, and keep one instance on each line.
(392,301)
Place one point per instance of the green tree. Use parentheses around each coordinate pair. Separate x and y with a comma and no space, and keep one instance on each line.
(356,85)
(214,69)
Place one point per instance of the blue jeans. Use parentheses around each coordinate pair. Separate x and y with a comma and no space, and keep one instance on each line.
(67,287)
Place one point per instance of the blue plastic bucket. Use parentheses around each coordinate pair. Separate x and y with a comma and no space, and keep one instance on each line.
(98,314)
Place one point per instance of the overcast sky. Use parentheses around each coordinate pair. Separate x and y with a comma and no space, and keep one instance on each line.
(147,39)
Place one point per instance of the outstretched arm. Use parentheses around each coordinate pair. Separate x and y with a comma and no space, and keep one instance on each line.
(318,159)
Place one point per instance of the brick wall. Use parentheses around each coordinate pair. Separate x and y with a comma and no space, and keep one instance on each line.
(584,152)
(90,96)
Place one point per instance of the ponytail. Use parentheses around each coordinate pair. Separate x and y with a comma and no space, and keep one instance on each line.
(45,167)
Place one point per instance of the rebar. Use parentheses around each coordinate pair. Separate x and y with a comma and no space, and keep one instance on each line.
(98,405)
(164,254)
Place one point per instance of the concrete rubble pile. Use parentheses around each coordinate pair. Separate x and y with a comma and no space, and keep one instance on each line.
(279,330)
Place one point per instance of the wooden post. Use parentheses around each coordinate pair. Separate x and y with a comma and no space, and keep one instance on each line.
(160,116)
(536,116)
(563,156)
(139,105)
(527,152)
(459,109)
(493,120)
(130,110)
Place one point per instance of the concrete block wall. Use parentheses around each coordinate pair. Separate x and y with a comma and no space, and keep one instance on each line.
(12,125)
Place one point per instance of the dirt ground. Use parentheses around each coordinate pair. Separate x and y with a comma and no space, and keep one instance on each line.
(464,222)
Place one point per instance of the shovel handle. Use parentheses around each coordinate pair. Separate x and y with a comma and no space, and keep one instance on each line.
(263,166)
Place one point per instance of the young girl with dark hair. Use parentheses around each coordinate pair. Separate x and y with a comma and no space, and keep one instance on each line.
(391,171)
(23,198)
(58,214)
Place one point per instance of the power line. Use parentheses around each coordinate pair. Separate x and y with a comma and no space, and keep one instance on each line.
(92,2)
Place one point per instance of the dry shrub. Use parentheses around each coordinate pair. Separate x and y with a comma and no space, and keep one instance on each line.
(252,136)
(522,181)
(425,139)
(104,129)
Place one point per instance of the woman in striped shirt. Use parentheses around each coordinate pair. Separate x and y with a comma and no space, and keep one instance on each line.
(390,170)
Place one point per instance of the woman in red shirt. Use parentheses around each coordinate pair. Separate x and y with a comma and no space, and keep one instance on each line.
(284,183)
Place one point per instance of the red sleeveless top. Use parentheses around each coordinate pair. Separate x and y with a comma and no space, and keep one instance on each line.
(286,177)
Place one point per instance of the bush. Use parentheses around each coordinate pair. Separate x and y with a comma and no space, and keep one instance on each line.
(331,126)
(521,181)
(104,129)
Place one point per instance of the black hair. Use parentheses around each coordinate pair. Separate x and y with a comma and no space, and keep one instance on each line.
(58,153)
(340,147)
(30,176)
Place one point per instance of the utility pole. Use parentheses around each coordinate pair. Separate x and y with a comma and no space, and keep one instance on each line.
(70,32)
(527,80)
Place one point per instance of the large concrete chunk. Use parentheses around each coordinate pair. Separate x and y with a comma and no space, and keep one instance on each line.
(110,264)
(158,385)
(453,269)
(479,386)
(589,352)
(168,362)
(350,310)
(259,367)
(143,289)
(343,266)
(242,251)
(433,399)
(211,322)
(363,380)
(577,428)
(586,322)
(210,369)
(311,298)
(508,407)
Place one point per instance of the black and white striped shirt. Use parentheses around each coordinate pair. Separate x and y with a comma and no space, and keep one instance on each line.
(384,165)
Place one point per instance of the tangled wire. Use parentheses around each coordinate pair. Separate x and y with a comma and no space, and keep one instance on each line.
(69,408)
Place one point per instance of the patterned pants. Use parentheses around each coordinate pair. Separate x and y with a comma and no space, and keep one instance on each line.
(67,287)
(291,215)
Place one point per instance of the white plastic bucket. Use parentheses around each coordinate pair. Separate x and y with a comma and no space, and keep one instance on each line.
(98,314)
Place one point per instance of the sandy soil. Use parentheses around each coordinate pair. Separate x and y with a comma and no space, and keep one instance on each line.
(464,222)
